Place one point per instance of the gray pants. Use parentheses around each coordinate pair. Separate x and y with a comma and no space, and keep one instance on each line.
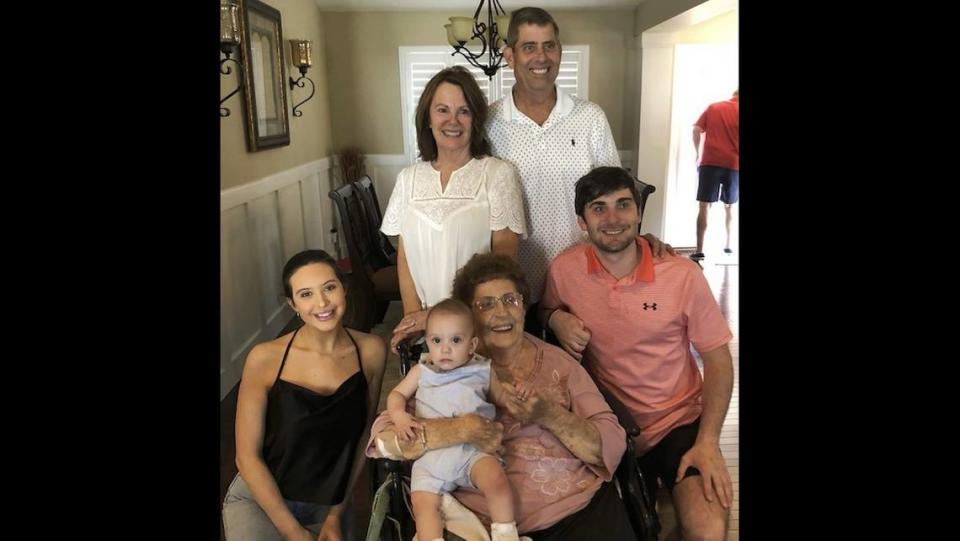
(244,520)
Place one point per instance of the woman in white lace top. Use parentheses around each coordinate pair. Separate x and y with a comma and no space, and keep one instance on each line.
(455,202)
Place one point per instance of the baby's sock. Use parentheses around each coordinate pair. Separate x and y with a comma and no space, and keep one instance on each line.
(503,531)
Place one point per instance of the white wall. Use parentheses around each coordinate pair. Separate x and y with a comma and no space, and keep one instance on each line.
(654,138)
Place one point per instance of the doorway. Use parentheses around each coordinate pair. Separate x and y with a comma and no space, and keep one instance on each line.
(703,73)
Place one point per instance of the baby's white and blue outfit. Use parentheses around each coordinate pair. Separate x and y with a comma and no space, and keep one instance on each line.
(453,393)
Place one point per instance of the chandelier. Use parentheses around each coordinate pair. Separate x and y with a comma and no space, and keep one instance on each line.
(489,34)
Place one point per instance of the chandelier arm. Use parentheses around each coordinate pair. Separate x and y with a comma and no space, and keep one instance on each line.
(483,49)
(469,57)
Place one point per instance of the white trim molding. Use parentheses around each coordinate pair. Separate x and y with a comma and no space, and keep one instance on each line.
(238,195)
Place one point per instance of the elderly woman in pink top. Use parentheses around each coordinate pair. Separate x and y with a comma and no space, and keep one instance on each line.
(561,442)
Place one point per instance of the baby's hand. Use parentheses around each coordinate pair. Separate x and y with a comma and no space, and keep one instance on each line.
(406,425)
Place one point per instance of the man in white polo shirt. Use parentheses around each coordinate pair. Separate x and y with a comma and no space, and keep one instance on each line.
(552,138)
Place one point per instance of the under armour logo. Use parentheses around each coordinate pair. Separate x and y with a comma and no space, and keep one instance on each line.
(645,306)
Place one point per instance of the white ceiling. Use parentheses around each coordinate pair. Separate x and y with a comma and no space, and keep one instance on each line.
(470,5)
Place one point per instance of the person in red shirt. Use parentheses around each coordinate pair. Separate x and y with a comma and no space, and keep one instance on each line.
(719,166)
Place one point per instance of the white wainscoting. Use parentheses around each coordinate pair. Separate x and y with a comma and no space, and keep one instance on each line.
(262,224)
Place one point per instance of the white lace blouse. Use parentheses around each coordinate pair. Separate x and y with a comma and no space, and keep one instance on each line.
(440,229)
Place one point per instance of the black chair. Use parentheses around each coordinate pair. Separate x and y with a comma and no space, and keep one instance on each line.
(393,476)
(635,491)
(371,205)
(373,284)
(645,191)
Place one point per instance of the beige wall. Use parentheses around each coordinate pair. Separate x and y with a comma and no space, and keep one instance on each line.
(309,134)
(609,33)
(364,69)
(356,71)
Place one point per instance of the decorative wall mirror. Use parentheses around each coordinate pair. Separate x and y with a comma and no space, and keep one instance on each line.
(264,82)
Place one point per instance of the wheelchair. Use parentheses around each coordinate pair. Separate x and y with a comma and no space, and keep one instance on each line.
(392,518)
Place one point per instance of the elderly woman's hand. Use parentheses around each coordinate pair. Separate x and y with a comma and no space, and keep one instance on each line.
(528,406)
(411,324)
(484,434)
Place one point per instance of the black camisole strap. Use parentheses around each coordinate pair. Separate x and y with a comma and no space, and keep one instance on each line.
(355,346)
(284,361)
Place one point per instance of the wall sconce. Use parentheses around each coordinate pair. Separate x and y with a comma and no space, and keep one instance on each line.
(229,43)
(300,55)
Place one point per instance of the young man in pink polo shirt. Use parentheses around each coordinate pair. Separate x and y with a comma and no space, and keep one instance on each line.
(631,319)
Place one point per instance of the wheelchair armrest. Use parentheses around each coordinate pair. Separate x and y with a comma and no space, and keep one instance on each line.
(410,350)
(623,414)
(390,465)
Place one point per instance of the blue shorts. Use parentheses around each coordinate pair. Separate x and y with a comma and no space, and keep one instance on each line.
(720,181)
(445,470)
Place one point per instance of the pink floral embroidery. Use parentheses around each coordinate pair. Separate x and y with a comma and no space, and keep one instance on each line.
(556,390)
(552,476)
(529,452)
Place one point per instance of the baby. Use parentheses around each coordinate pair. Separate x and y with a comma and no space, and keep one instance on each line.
(450,382)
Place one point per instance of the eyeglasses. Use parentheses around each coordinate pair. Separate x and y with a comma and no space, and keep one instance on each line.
(485,304)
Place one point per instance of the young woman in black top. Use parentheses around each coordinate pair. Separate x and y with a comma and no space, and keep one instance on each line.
(304,410)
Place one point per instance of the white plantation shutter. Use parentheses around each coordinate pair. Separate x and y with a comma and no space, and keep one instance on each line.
(419,64)
(574,72)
